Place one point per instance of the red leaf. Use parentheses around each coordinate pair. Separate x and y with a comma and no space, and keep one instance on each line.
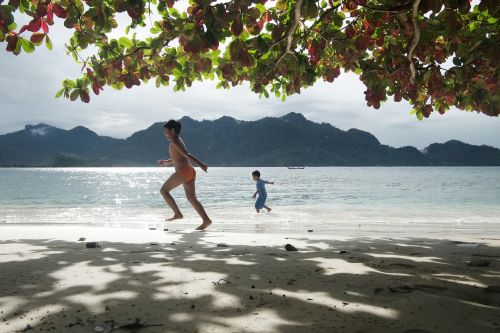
(23,29)
(11,42)
(45,27)
(50,13)
(34,25)
(96,88)
(84,96)
(37,37)
(59,11)
(350,32)
(170,3)
(237,27)
(261,23)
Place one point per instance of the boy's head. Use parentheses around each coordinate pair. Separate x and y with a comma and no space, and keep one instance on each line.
(172,128)
(256,175)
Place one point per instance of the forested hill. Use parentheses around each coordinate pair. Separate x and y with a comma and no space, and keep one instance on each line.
(283,141)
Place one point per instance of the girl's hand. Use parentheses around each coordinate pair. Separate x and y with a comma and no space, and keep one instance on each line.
(204,167)
(163,162)
(254,196)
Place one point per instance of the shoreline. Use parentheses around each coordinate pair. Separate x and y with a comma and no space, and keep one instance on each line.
(222,281)
(469,231)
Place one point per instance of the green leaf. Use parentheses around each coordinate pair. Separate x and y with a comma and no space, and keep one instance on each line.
(74,94)
(125,42)
(48,42)
(419,114)
(491,20)
(60,92)
(27,46)
(69,84)
(262,9)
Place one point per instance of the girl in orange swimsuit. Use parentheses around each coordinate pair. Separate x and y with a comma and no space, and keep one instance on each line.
(188,172)
(184,174)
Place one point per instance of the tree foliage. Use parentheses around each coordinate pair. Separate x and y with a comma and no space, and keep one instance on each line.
(434,54)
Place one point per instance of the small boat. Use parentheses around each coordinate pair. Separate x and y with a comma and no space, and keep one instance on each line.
(295,167)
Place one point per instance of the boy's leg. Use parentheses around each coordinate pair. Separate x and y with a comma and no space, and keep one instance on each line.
(175,180)
(190,190)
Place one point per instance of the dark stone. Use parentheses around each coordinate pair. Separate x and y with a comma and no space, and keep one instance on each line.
(479,263)
(92,245)
(290,247)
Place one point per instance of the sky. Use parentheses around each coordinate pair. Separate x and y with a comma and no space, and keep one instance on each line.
(28,83)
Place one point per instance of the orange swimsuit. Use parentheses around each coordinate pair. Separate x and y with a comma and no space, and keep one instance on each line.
(188,172)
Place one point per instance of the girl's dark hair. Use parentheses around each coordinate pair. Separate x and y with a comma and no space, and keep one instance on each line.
(176,125)
(256,173)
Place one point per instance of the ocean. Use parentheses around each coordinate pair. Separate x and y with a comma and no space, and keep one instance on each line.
(324,199)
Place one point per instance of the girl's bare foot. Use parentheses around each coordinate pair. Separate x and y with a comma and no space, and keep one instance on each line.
(269,210)
(175,217)
(204,225)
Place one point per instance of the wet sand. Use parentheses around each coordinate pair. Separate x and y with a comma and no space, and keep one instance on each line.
(216,281)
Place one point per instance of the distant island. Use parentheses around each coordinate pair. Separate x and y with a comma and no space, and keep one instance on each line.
(290,140)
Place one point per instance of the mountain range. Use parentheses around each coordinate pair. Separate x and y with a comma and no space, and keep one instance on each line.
(283,141)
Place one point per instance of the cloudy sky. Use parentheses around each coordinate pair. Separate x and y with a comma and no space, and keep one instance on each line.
(29,82)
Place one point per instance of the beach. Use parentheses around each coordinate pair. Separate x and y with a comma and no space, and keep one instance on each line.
(218,281)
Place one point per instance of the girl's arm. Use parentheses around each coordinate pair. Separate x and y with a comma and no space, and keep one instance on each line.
(164,162)
(255,194)
(268,182)
(190,157)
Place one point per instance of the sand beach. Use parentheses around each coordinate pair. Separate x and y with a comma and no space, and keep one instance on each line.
(157,281)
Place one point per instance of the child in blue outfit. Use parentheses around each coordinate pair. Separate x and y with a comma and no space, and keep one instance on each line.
(261,190)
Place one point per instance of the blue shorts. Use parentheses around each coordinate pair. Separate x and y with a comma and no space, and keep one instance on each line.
(260,202)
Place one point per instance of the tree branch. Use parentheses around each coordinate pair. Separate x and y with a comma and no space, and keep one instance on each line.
(289,34)
(396,9)
(416,38)
(320,18)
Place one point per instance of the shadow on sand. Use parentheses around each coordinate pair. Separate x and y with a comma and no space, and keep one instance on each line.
(193,285)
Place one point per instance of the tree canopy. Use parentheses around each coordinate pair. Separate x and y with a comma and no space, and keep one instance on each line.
(433,53)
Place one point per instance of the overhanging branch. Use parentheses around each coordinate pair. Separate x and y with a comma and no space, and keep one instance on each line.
(395,9)
(289,34)
(416,38)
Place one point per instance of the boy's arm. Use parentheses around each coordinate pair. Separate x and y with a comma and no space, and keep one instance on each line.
(255,194)
(187,155)
(268,182)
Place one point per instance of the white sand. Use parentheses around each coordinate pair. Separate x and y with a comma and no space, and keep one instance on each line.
(184,282)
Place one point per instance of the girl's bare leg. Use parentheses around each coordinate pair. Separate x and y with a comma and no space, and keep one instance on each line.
(268,209)
(190,190)
(175,180)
